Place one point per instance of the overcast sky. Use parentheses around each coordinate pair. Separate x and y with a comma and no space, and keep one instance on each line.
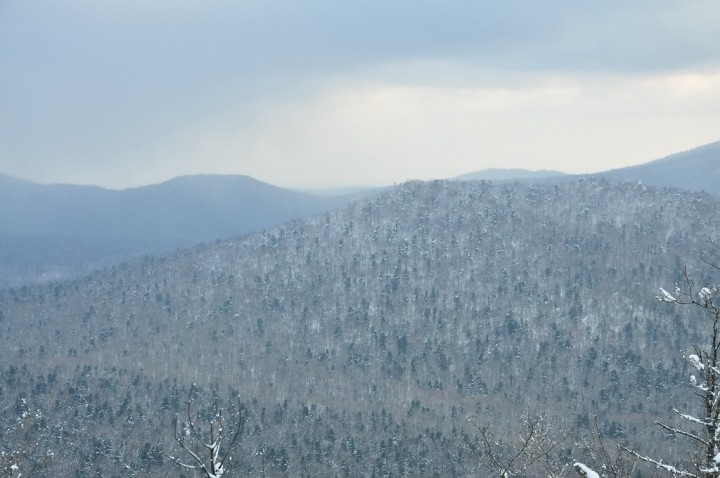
(311,93)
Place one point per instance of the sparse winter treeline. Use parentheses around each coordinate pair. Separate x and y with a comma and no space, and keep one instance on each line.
(360,341)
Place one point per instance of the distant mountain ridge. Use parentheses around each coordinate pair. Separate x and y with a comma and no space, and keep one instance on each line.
(499,174)
(203,207)
(96,227)
(697,169)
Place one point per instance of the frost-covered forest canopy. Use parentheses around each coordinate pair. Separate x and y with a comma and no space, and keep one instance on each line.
(360,341)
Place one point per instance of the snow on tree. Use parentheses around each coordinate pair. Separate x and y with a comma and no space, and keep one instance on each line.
(614,462)
(585,471)
(196,443)
(23,456)
(534,448)
(703,427)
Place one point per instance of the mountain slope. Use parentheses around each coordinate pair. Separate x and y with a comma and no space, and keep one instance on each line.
(360,339)
(196,207)
(96,227)
(697,170)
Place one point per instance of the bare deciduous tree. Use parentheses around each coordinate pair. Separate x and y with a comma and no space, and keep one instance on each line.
(533,447)
(615,462)
(197,442)
(704,427)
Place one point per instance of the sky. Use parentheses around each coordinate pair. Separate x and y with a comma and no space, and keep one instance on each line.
(340,93)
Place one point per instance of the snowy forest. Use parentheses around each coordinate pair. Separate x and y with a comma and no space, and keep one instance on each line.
(438,329)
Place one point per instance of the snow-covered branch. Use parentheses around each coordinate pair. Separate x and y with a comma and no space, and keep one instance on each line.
(678,431)
(659,464)
(665,296)
(706,362)
(585,471)
(191,438)
(535,445)
(690,418)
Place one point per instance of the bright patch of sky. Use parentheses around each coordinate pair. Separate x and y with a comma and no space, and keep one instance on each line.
(327,93)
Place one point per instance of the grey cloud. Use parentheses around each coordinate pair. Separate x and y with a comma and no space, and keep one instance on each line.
(251,39)
(88,77)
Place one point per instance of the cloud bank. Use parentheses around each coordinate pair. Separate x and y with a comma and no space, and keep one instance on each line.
(321,92)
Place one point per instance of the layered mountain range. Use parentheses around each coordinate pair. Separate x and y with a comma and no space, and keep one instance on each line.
(51,232)
(361,339)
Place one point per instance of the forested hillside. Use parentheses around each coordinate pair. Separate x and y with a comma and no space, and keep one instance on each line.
(360,340)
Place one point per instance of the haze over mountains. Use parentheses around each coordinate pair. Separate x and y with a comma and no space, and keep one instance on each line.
(360,339)
(50,232)
(694,170)
(55,231)
(496,174)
